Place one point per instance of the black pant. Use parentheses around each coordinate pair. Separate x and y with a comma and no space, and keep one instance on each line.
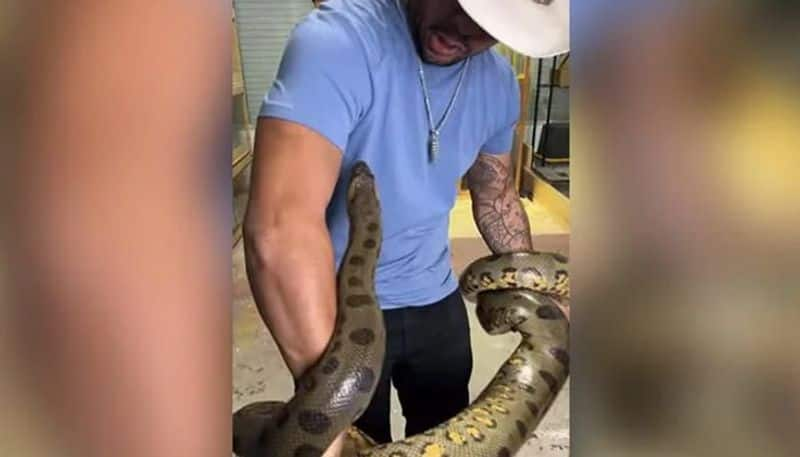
(429,361)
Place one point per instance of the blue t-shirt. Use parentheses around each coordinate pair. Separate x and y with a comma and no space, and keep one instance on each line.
(350,73)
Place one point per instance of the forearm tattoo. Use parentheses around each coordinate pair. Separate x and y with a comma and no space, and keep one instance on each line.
(496,206)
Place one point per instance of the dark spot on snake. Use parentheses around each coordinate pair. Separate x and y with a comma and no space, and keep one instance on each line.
(314,422)
(560,355)
(526,346)
(526,388)
(308,383)
(477,437)
(330,365)
(362,336)
(354,301)
(504,452)
(305,450)
(365,378)
(357,261)
(533,408)
(548,312)
(336,346)
(551,380)
(355,282)
(369,244)
(373,227)
(522,429)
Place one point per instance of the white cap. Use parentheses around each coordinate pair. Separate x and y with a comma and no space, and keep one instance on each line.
(535,28)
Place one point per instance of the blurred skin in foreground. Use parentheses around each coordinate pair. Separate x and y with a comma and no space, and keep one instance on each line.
(684,248)
(115,327)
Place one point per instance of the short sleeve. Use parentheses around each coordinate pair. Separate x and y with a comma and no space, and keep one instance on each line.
(323,81)
(502,140)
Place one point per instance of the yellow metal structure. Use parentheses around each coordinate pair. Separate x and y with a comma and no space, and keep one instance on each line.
(242,151)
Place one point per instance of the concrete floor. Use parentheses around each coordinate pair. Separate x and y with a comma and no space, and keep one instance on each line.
(259,372)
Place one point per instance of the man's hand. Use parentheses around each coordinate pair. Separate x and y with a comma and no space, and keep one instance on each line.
(496,206)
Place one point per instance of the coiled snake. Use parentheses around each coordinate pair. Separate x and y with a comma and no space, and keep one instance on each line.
(514,292)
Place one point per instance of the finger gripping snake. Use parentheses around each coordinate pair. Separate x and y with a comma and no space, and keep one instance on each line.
(514,292)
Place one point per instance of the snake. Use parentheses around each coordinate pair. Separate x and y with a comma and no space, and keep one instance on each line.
(518,291)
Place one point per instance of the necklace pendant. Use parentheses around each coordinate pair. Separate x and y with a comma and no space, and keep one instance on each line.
(433,146)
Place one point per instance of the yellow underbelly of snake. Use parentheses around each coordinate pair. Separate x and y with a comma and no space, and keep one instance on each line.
(514,292)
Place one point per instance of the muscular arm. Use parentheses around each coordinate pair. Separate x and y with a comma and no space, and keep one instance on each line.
(324,83)
(288,249)
(496,206)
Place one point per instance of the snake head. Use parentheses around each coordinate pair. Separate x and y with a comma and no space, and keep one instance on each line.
(361,176)
(361,191)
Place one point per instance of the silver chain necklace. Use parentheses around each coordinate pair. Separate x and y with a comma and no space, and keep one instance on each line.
(433,140)
(435,129)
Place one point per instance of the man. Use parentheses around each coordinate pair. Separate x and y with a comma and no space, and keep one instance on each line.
(412,88)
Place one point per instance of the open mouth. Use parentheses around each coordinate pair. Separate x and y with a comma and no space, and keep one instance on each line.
(444,46)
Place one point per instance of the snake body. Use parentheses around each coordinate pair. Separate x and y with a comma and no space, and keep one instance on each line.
(335,391)
(514,292)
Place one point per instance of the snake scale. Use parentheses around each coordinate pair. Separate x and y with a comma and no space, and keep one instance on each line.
(514,292)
